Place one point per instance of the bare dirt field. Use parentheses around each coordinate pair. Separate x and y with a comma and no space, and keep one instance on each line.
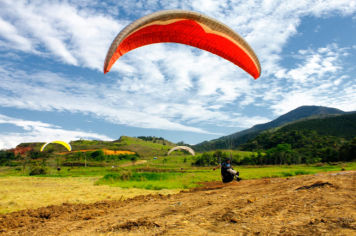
(323,204)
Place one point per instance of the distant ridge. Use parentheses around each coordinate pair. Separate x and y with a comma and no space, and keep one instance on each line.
(235,139)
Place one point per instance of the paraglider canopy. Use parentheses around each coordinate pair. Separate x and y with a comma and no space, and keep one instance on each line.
(189,28)
(182,147)
(66,145)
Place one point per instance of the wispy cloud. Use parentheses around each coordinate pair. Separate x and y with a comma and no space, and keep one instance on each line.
(142,104)
(37,131)
(318,80)
(59,30)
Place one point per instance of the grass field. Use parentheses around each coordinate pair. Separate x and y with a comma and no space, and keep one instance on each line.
(190,177)
(91,184)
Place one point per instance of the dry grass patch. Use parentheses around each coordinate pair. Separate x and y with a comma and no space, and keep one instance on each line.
(18,193)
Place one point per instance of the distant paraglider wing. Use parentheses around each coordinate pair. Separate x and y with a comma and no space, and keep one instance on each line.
(66,145)
(189,28)
(182,147)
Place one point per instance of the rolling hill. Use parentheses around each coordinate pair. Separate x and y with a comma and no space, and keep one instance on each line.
(145,147)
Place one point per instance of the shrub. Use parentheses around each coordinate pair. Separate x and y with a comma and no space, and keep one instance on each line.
(303,172)
(116,177)
(287,174)
(38,171)
(319,165)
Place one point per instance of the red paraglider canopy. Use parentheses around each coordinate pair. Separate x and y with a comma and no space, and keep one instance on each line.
(189,28)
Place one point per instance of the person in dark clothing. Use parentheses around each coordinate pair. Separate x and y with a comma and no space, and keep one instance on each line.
(226,168)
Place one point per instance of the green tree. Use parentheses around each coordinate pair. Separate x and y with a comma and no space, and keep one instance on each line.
(282,150)
(98,155)
(206,158)
(133,159)
(259,157)
(10,157)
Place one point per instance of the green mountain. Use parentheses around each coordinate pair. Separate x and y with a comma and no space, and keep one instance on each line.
(234,140)
(330,139)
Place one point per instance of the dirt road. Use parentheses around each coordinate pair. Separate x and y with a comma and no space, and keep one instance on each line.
(132,164)
(309,205)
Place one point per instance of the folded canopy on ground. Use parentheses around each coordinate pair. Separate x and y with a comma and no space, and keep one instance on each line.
(189,28)
(66,145)
(182,147)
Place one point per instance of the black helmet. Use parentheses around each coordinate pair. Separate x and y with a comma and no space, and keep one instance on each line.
(227,159)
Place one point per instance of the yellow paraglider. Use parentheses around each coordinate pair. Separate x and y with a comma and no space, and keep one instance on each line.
(67,145)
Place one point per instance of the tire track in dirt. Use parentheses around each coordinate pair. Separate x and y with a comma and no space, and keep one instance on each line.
(250,207)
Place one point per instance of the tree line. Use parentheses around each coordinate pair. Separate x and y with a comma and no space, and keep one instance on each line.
(150,138)
(299,147)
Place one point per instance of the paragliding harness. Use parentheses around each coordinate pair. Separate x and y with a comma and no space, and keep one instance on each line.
(227,177)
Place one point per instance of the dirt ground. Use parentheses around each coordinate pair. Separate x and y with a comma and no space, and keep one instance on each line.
(132,164)
(322,204)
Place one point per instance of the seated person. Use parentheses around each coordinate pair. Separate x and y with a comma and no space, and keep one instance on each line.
(226,168)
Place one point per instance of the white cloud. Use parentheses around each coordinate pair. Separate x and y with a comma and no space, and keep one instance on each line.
(37,131)
(146,104)
(316,81)
(317,64)
(339,80)
(12,37)
(59,30)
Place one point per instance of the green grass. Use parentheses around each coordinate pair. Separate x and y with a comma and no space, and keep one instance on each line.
(65,172)
(146,180)
(146,148)
(191,176)
(172,177)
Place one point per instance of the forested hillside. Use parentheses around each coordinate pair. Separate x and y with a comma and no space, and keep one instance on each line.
(231,143)
(234,140)
(297,147)
(343,126)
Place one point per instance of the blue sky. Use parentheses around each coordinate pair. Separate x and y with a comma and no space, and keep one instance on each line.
(52,86)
